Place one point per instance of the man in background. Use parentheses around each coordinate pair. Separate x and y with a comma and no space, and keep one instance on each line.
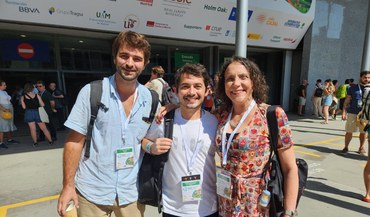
(58,98)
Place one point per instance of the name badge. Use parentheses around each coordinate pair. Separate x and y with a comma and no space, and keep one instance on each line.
(124,158)
(223,184)
(191,188)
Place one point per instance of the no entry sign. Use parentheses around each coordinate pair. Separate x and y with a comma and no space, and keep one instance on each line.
(25,50)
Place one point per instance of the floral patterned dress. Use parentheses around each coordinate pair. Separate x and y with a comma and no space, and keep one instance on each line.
(247,156)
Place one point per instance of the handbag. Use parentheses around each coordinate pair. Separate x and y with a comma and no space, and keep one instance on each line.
(276,182)
(6,115)
(44,117)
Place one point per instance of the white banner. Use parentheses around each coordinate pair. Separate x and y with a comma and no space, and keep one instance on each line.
(272,23)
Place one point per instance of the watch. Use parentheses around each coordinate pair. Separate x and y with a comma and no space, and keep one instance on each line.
(289,213)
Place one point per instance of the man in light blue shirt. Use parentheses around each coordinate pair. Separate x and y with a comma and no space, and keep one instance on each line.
(107,181)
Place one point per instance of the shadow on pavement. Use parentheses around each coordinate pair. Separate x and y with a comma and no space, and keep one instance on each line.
(349,155)
(321,187)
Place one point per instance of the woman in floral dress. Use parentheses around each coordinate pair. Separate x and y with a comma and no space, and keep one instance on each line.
(243,89)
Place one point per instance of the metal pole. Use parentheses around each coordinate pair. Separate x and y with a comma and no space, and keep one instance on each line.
(241,28)
(366,53)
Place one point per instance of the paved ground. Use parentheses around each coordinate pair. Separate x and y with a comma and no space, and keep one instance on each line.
(31,178)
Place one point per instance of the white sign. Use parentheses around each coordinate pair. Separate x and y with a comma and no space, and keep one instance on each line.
(271,23)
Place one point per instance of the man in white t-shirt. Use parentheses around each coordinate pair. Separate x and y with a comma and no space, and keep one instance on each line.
(189,176)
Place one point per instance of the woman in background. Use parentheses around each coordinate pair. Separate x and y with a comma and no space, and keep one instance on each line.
(6,106)
(31,102)
(327,99)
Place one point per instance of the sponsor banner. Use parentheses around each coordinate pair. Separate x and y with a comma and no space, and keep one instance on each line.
(24,50)
(201,20)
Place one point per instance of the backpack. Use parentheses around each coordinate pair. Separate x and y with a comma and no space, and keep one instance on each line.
(151,171)
(168,96)
(363,117)
(95,104)
(318,91)
(276,182)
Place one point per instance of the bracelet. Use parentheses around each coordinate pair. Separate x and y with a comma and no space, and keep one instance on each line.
(148,146)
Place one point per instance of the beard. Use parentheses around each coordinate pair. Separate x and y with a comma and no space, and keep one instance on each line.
(131,76)
(192,105)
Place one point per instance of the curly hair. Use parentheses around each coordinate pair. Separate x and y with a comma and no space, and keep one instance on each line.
(260,87)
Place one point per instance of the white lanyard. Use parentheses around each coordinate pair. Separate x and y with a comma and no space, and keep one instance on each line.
(126,120)
(225,148)
(360,90)
(190,159)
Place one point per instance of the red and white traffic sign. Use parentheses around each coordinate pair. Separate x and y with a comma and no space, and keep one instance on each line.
(25,50)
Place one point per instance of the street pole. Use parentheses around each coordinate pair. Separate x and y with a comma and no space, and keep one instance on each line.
(241,28)
(366,52)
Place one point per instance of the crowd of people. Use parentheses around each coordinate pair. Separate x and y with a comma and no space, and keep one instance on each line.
(26,102)
(350,101)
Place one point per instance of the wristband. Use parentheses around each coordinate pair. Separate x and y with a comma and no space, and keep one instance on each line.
(289,213)
(148,146)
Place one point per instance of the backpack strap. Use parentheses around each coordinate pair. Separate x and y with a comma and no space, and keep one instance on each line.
(154,106)
(96,89)
(273,127)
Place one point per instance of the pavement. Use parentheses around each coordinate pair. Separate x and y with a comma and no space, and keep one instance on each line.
(31,178)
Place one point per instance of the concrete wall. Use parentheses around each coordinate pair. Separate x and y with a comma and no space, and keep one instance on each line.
(333,45)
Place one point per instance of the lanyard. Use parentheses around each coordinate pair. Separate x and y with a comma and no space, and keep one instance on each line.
(360,90)
(225,147)
(126,120)
(190,159)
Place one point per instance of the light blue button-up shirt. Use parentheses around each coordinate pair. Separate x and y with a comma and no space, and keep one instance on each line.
(97,178)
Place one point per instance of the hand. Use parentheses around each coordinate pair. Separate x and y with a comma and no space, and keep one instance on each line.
(54,110)
(344,117)
(65,197)
(161,146)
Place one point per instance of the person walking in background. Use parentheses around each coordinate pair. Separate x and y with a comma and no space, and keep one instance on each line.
(341,94)
(302,93)
(243,141)
(58,98)
(194,133)
(99,185)
(317,98)
(156,80)
(50,109)
(327,99)
(6,125)
(351,107)
(30,103)
(334,105)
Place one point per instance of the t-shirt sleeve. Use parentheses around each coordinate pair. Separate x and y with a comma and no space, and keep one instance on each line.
(285,132)
(79,117)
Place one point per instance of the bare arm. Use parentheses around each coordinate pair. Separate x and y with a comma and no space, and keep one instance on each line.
(290,172)
(22,102)
(160,146)
(42,104)
(345,105)
(71,156)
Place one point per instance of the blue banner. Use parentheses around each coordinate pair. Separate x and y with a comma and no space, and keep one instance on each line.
(24,50)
